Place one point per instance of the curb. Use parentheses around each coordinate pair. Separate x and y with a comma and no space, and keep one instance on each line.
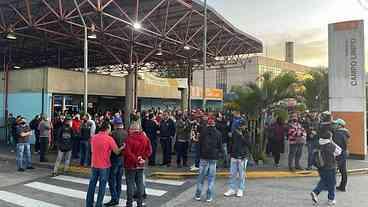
(75,169)
(252,174)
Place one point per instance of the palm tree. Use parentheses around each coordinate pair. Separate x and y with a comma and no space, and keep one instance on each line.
(255,98)
(316,90)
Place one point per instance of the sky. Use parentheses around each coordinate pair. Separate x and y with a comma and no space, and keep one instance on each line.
(303,21)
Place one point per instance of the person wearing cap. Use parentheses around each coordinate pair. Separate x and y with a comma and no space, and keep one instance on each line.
(327,171)
(239,145)
(23,156)
(116,171)
(297,137)
(64,145)
(210,147)
(341,138)
(137,152)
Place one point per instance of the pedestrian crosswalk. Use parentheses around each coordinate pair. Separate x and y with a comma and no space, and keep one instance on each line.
(149,191)
(71,191)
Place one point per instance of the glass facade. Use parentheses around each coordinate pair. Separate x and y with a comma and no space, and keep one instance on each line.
(221,80)
(275,71)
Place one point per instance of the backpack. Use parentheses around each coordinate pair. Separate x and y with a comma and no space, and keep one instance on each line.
(318,160)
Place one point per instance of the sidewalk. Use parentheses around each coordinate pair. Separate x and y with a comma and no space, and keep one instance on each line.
(265,170)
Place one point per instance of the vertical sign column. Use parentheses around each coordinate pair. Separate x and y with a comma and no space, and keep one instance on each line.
(347,81)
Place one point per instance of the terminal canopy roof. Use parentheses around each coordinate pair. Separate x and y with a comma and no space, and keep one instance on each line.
(50,32)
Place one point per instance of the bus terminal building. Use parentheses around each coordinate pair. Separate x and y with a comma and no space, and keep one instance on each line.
(53,90)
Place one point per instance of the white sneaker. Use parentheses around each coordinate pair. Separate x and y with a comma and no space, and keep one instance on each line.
(209,200)
(197,198)
(239,193)
(229,193)
(194,168)
(331,202)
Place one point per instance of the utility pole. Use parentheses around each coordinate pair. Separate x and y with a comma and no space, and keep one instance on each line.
(204,55)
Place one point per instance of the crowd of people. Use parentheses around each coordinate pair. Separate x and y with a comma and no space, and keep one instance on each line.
(102,143)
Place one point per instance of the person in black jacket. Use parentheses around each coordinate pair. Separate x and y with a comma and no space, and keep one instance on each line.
(150,127)
(239,152)
(341,137)
(327,172)
(210,147)
(167,133)
(221,125)
(64,144)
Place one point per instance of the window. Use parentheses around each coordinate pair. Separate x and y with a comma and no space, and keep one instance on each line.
(221,79)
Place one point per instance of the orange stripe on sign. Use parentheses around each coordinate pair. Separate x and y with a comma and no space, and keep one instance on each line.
(355,124)
(347,25)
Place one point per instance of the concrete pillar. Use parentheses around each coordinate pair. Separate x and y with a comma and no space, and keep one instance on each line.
(184,99)
(129,96)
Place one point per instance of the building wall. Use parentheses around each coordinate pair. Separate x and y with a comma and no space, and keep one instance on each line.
(238,75)
(28,104)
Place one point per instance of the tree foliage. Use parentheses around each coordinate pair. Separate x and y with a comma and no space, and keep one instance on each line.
(316,90)
(254,97)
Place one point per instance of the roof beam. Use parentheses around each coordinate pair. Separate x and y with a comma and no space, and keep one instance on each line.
(20,14)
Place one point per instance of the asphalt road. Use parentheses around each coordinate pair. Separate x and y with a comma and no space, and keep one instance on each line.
(35,188)
(286,192)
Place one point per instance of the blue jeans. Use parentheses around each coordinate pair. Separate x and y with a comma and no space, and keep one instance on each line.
(24,158)
(195,151)
(238,168)
(226,154)
(310,145)
(206,168)
(327,182)
(85,150)
(115,179)
(100,175)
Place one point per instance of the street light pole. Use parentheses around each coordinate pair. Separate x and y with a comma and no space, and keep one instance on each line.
(204,55)
(85,102)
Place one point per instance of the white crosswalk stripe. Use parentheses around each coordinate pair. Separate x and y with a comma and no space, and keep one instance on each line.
(23,201)
(63,188)
(149,191)
(65,191)
(165,182)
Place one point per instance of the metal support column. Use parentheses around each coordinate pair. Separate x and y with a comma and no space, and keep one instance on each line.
(130,87)
(190,73)
(204,55)
(85,102)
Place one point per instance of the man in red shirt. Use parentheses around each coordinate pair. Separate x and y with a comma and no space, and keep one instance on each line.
(101,146)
